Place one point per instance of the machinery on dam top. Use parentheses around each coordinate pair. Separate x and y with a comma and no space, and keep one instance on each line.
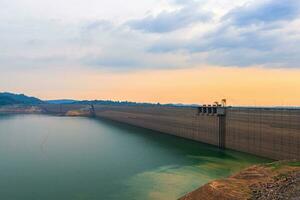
(214,109)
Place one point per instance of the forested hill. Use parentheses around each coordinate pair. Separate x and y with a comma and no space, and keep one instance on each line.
(7,98)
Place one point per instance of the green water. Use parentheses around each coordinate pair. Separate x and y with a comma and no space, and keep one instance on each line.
(64,158)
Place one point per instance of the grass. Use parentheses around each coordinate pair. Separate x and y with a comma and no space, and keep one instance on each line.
(280,164)
(294,163)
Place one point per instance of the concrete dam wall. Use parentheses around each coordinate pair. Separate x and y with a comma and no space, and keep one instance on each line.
(179,121)
(269,132)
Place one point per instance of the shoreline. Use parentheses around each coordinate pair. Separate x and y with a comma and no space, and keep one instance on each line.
(278,180)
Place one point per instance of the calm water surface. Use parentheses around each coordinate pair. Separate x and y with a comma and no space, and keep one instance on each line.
(63,158)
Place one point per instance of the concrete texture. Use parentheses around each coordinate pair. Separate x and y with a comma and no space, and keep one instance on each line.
(179,121)
(268,132)
(272,133)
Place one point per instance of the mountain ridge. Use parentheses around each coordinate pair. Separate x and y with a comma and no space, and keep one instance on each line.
(7,98)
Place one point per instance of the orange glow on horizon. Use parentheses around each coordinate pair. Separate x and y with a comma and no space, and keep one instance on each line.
(240,86)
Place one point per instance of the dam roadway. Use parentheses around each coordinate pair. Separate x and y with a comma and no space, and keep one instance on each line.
(269,132)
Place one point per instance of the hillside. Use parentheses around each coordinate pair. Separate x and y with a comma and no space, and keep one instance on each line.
(7,98)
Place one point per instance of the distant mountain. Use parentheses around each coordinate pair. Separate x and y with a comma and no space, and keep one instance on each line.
(129,103)
(182,105)
(7,98)
(61,101)
(110,102)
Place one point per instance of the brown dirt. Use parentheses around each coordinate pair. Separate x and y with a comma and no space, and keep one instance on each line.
(19,109)
(77,113)
(275,181)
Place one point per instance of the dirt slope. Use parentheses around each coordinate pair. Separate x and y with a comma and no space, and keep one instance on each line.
(277,180)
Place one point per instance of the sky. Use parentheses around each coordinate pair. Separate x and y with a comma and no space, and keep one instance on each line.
(179,51)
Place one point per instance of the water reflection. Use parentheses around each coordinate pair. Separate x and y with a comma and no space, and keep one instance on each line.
(47,157)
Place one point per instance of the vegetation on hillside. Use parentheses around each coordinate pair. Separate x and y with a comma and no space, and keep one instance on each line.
(7,98)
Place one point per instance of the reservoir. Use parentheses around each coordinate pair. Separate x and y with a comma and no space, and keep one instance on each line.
(77,158)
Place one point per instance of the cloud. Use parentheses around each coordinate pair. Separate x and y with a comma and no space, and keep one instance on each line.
(98,24)
(265,11)
(246,36)
(111,62)
(168,21)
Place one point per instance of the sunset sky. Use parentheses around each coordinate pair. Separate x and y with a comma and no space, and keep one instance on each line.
(180,51)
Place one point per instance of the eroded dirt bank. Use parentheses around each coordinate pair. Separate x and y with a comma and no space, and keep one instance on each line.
(274,181)
(52,109)
(20,109)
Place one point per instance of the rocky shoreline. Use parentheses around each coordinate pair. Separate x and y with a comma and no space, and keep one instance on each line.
(275,181)
(282,187)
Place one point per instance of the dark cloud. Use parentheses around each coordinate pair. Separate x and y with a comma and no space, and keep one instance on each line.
(170,21)
(264,33)
(264,12)
(278,58)
(258,34)
(229,37)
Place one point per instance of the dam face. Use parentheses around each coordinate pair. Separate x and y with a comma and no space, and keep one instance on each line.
(269,132)
(179,121)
